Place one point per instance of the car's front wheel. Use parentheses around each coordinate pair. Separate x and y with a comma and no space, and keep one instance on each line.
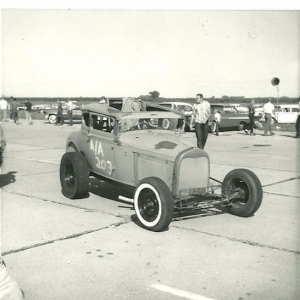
(245,188)
(52,119)
(153,204)
(258,124)
(74,175)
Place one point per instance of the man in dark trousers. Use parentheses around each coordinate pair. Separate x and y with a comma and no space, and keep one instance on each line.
(201,115)
(70,107)
(59,115)
(14,111)
(28,111)
(251,117)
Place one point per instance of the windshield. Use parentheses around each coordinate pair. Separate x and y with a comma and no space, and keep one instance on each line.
(133,124)
(185,108)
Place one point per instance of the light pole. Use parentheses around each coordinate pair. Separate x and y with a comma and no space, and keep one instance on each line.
(275,82)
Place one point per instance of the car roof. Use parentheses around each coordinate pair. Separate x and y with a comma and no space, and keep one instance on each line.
(287,105)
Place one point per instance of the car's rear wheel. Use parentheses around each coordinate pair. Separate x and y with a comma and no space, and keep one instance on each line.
(213,127)
(249,192)
(74,175)
(153,204)
(190,126)
(52,119)
(242,126)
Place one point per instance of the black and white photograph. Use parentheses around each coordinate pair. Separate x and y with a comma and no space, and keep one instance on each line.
(149,151)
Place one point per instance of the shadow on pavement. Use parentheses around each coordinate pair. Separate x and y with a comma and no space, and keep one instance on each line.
(184,215)
(196,213)
(8,178)
(107,190)
(290,136)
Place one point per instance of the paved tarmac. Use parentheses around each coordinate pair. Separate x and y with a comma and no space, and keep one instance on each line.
(92,248)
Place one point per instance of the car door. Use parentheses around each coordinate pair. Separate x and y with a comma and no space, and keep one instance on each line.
(124,163)
(232,117)
(226,117)
(77,114)
(99,149)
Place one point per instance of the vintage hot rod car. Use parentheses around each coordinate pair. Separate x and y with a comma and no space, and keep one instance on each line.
(164,172)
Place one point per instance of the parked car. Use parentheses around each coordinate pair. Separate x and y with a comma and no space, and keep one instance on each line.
(40,106)
(286,113)
(185,108)
(51,115)
(118,103)
(230,118)
(162,172)
(243,109)
(258,108)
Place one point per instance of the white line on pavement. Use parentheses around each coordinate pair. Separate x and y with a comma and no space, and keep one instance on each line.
(53,161)
(179,293)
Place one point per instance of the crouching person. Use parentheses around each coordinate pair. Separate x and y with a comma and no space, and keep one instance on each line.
(9,289)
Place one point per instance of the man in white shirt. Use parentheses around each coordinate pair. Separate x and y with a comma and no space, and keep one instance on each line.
(70,107)
(268,111)
(201,115)
(217,116)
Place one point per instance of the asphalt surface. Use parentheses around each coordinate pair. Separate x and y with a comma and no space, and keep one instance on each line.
(93,248)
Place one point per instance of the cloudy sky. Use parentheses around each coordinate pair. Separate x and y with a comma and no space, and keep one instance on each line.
(117,52)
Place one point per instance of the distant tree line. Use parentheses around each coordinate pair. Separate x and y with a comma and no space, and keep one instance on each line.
(155,97)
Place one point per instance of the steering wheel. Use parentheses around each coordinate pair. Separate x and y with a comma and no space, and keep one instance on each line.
(140,125)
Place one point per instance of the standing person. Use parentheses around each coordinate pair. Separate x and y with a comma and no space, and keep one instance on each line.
(2,146)
(70,107)
(28,111)
(180,128)
(297,136)
(217,117)
(102,100)
(201,115)
(268,111)
(3,110)
(59,115)
(10,109)
(251,117)
(14,111)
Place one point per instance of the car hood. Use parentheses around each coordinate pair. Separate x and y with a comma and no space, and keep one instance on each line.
(156,143)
